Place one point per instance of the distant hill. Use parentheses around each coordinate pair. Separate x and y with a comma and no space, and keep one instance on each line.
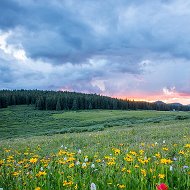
(159,102)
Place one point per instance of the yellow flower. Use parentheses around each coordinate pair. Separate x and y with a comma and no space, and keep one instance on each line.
(111,163)
(1,162)
(187,146)
(33,160)
(121,186)
(71,165)
(165,161)
(67,183)
(98,161)
(76,186)
(181,152)
(128,171)
(165,149)
(123,169)
(161,176)
(41,173)
(143,172)
(141,152)
(116,151)
(136,166)
(15,174)
(37,188)
(158,155)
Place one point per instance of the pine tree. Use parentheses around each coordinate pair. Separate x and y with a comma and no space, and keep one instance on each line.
(58,105)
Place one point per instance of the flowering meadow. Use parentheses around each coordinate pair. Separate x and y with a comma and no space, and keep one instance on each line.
(151,156)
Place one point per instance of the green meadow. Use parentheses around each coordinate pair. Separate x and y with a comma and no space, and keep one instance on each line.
(114,149)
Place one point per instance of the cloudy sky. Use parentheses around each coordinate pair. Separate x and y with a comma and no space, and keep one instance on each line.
(138,49)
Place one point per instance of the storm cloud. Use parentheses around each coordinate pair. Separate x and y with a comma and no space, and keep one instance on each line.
(135,48)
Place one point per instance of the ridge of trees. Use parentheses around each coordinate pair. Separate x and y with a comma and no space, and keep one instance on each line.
(58,100)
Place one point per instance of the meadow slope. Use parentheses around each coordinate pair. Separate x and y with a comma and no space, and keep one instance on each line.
(134,150)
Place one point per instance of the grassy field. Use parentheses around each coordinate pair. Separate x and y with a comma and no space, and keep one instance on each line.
(132,150)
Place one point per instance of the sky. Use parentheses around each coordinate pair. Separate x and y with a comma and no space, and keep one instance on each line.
(135,49)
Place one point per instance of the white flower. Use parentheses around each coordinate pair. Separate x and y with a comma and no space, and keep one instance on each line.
(77,163)
(86,159)
(171,168)
(164,141)
(83,164)
(93,166)
(65,158)
(62,146)
(79,151)
(41,168)
(92,186)
(175,159)
(155,143)
(65,148)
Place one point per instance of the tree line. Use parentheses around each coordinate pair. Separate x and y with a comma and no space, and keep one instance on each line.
(58,100)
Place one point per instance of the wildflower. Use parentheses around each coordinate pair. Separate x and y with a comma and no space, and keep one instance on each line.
(136,166)
(79,151)
(77,163)
(161,176)
(86,159)
(165,161)
(71,165)
(187,146)
(165,149)
(92,186)
(162,186)
(40,173)
(84,165)
(1,162)
(67,183)
(171,168)
(143,172)
(33,160)
(37,188)
(181,152)
(164,141)
(121,186)
(185,167)
(92,165)
(128,171)
(158,155)
(15,174)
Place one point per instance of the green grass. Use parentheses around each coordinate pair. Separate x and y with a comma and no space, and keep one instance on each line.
(122,130)
(25,121)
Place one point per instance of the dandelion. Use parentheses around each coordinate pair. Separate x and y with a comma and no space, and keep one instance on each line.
(162,186)
(92,186)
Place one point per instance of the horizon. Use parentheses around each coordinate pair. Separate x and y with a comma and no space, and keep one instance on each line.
(138,51)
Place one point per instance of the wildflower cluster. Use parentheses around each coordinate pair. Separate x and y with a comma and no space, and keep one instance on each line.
(147,166)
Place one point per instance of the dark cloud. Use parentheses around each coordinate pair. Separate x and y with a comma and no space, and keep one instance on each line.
(109,46)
